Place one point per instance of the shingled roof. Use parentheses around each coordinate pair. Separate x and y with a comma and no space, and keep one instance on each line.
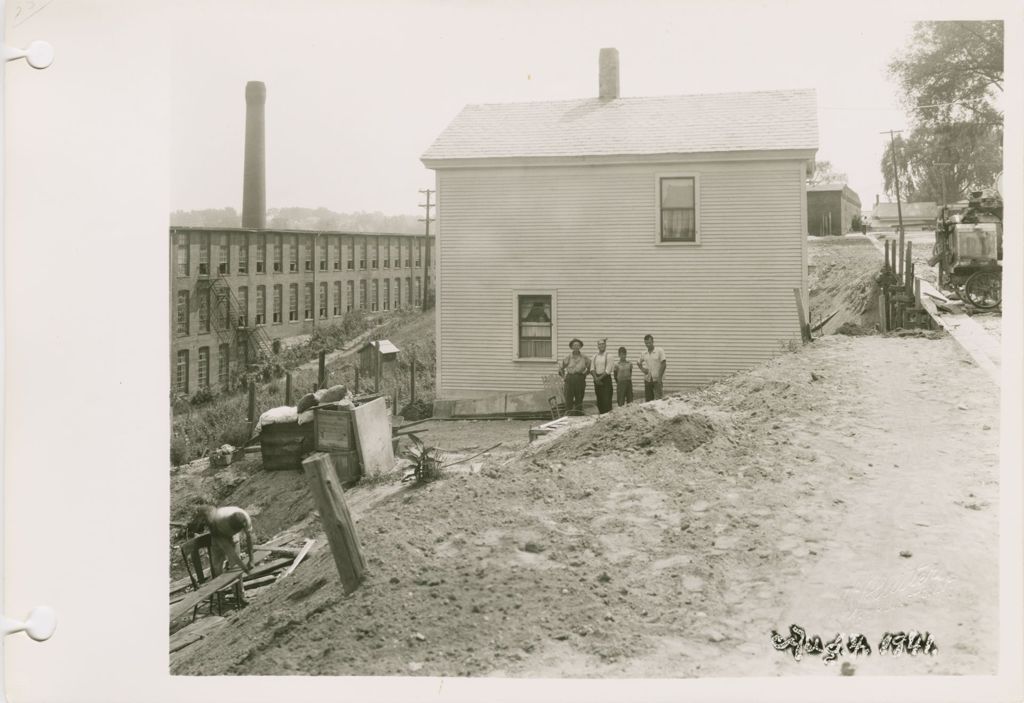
(682,124)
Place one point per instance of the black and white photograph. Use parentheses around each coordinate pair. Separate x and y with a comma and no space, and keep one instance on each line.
(573,349)
(436,349)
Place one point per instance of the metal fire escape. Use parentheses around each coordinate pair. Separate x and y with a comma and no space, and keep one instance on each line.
(230,322)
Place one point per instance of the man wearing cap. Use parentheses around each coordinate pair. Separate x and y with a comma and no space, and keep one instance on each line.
(652,362)
(601,368)
(574,369)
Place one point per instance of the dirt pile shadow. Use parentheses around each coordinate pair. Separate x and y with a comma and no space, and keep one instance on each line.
(633,429)
(842,281)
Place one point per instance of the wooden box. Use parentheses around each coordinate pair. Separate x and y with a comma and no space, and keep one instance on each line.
(333,430)
(347,466)
(283,445)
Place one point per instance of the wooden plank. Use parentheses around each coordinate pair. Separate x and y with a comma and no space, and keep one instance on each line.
(190,634)
(805,330)
(299,557)
(373,437)
(211,587)
(336,519)
(267,568)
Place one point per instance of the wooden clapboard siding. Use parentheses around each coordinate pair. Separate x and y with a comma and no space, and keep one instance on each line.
(588,233)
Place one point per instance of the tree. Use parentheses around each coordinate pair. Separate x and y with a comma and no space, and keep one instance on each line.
(825,173)
(951,76)
(956,66)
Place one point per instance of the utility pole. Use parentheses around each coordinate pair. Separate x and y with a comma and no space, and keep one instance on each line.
(896,180)
(426,245)
(938,163)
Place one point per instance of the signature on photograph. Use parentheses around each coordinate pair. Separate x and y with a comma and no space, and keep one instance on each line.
(895,644)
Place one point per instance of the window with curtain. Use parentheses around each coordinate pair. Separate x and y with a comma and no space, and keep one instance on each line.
(678,210)
(534,326)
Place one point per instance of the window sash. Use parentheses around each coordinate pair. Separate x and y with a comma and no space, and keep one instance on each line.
(678,210)
(535,335)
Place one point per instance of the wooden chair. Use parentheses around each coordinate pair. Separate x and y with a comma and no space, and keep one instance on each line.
(192,554)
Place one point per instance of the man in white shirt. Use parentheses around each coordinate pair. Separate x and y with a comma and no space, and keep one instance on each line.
(652,362)
(601,368)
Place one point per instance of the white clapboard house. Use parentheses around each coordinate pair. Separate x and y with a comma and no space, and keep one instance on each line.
(680,216)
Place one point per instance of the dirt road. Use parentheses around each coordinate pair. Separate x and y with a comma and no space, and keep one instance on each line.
(671,543)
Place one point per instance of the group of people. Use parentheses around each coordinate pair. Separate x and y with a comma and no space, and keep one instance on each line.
(575,368)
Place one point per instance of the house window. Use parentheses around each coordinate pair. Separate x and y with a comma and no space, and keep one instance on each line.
(224,367)
(323,254)
(181,373)
(323,301)
(398,293)
(408,290)
(204,367)
(307,307)
(261,305)
(375,262)
(183,254)
(278,304)
(362,258)
(337,298)
(293,302)
(419,253)
(278,254)
(418,291)
(223,265)
(534,326)
(408,256)
(387,253)
(204,311)
(677,213)
(204,254)
(351,256)
(309,254)
(293,254)
(350,295)
(362,295)
(261,254)
(243,306)
(182,311)
(374,295)
(243,255)
(337,253)
(386,303)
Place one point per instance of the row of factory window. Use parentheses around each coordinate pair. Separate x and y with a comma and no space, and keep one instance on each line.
(332,253)
(181,368)
(230,310)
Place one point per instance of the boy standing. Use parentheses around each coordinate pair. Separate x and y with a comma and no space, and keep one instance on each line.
(623,379)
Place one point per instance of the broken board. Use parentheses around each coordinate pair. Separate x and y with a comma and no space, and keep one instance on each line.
(373,437)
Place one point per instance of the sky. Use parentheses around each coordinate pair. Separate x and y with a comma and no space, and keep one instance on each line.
(357,91)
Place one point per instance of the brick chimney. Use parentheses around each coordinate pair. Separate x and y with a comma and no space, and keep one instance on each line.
(608,77)
(254,186)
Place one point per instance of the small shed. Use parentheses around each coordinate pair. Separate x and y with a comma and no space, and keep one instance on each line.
(380,351)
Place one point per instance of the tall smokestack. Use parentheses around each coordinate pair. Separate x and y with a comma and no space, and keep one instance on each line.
(254,187)
(608,76)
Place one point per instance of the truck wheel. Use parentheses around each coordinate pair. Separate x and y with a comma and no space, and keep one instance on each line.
(984,290)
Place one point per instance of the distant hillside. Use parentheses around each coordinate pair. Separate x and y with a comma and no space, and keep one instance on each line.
(303,218)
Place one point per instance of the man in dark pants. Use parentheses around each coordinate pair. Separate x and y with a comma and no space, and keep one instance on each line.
(574,369)
(601,368)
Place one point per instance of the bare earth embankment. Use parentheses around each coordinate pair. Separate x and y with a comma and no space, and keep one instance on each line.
(668,540)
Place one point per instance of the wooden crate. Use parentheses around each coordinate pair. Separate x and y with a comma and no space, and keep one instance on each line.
(347,466)
(333,430)
(283,445)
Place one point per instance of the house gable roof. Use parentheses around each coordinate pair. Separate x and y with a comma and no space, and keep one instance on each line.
(684,124)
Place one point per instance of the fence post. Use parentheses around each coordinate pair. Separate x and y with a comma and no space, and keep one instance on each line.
(252,407)
(412,379)
(357,381)
(321,370)
(336,519)
(288,388)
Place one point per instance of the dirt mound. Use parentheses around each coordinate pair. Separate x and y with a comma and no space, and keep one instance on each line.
(841,280)
(634,428)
